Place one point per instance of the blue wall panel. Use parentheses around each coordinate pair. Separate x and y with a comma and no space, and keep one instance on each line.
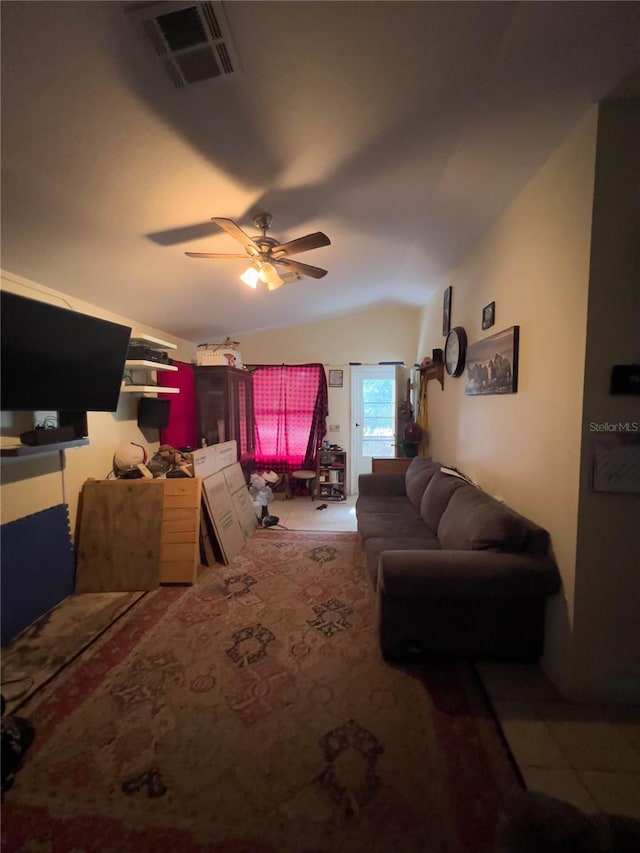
(38,567)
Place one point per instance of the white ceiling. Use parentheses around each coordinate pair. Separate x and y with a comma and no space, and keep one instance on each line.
(401,130)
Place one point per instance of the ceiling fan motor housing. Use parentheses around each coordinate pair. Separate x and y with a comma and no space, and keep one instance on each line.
(263,222)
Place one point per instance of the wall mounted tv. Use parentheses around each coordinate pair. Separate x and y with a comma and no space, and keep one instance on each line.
(55,359)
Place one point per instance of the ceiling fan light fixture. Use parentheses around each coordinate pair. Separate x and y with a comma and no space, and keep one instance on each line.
(270,262)
(250,277)
(269,275)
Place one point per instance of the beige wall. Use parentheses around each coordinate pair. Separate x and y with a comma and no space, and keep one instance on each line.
(387,333)
(607,604)
(34,483)
(525,447)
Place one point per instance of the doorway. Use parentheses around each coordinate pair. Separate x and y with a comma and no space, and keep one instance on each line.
(375,394)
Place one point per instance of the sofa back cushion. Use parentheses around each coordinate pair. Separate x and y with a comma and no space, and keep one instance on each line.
(417,476)
(475,521)
(436,497)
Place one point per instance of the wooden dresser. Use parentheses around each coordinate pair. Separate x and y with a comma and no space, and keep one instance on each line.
(396,465)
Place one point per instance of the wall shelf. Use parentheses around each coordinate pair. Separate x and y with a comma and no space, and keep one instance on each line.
(147,366)
(28,450)
(140,364)
(434,370)
(149,339)
(148,389)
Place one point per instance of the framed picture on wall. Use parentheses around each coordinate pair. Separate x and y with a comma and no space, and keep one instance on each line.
(336,378)
(489,315)
(446,311)
(492,364)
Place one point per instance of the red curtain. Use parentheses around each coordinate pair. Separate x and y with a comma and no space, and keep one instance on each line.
(182,429)
(290,412)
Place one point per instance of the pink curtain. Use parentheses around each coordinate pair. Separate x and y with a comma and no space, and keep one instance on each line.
(181,430)
(290,413)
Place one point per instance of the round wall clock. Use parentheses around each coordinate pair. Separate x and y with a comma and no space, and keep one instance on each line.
(455,351)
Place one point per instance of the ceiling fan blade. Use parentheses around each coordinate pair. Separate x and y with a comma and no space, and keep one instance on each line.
(213,255)
(303,269)
(303,244)
(237,233)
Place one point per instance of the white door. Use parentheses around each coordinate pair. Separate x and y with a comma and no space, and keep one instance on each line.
(373,407)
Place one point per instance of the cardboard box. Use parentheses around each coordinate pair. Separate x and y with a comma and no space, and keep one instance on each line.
(227,498)
(210,460)
(245,512)
(218,356)
(235,478)
(223,514)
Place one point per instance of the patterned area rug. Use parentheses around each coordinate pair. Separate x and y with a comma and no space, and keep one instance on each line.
(252,713)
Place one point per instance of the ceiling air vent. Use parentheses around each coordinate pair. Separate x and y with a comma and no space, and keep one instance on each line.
(191,40)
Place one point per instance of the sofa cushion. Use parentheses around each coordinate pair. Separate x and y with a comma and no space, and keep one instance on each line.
(375,503)
(381,524)
(475,521)
(436,497)
(417,476)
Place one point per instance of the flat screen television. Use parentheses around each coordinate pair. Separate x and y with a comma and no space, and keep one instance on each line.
(55,359)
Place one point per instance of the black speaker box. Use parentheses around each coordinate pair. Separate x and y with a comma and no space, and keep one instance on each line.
(153,413)
(436,355)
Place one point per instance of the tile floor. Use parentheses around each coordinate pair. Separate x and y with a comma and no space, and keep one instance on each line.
(588,755)
(305,514)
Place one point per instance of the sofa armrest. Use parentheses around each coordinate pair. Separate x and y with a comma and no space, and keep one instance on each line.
(463,574)
(383,485)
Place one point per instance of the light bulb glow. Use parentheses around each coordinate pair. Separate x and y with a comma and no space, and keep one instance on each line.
(250,276)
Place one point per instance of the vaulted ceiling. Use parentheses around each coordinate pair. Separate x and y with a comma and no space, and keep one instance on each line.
(399,129)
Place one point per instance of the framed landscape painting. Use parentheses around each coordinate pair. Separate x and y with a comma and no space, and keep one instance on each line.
(492,364)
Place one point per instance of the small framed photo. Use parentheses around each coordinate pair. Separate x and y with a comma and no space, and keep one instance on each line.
(335,378)
(489,315)
(446,312)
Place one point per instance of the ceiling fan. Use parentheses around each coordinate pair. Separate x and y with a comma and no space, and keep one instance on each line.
(270,260)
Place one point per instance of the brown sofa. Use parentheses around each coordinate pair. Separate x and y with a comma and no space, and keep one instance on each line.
(456,572)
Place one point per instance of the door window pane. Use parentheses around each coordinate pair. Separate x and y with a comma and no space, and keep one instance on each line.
(378,427)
